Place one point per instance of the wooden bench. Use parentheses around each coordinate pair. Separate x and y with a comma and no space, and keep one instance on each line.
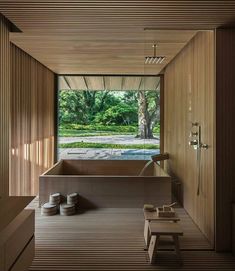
(153,216)
(163,228)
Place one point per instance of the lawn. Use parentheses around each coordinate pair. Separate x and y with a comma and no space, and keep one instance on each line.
(77,130)
(108,146)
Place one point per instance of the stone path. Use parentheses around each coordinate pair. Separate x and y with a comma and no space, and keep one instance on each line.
(113,139)
(112,154)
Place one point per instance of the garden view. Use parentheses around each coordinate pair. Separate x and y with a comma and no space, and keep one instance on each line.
(108,124)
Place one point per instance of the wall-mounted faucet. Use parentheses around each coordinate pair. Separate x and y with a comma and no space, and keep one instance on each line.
(195,136)
(195,141)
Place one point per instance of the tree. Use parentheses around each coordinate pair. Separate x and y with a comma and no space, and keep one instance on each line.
(70,107)
(148,112)
(120,114)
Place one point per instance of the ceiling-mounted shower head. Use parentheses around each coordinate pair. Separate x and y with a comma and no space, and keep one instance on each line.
(154,59)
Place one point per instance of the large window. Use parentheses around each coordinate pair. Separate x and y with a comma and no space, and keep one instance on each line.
(108,117)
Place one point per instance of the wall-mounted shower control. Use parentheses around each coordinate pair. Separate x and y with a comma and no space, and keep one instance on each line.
(195,142)
(194,133)
(195,136)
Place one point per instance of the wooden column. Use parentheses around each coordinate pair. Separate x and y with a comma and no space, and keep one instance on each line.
(4,105)
(225,134)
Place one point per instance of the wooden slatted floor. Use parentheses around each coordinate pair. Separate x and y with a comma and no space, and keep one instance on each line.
(112,239)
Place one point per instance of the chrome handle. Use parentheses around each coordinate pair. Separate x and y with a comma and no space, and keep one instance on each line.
(193,142)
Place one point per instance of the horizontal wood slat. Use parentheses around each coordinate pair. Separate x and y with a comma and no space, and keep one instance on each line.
(32,122)
(108,37)
(112,239)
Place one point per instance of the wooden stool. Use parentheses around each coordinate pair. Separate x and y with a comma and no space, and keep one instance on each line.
(163,228)
(153,216)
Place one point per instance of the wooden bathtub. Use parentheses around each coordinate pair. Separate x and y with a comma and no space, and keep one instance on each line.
(107,183)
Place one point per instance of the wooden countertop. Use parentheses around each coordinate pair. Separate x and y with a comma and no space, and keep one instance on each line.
(10,207)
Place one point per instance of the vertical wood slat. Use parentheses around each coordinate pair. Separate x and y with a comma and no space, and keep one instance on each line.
(225,130)
(190,97)
(4,105)
(32,122)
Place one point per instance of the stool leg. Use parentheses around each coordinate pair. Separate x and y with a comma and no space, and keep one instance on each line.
(152,250)
(177,246)
(146,233)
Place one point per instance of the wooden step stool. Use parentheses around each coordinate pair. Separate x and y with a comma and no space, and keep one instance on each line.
(153,216)
(163,228)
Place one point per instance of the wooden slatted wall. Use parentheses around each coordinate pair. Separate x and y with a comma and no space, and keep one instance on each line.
(190,97)
(4,105)
(32,122)
(225,130)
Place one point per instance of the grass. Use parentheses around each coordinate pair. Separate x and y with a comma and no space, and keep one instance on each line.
(107,146)
(84,133)
(99,127)
(79,130)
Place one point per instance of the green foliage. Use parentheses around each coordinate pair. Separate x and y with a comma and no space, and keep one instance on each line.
(156,129)
(107,145)
(109,112)
(99,127)
(118,115)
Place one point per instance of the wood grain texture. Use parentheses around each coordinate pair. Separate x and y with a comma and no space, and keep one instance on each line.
(105,167)
(109,83)
(102,51)
(32,122)
(107,183)
(112,239)
(10,207)
(14,239)
(225,130)
(108,37)
(190,97)
(4,105)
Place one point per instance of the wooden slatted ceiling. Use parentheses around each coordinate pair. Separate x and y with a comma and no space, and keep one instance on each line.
(108,37)
(122,83)
(102,51)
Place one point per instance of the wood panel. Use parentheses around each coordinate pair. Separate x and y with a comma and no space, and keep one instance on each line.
(4,105)
(103,52)
(32,122)
(109,83)
(106,167)
(107,183)
(108,191)
(225,130)
(189,97)
(10,207)
(108,37)
(15,238)
(112,239)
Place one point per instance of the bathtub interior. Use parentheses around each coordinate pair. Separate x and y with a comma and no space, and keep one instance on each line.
(105,168)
